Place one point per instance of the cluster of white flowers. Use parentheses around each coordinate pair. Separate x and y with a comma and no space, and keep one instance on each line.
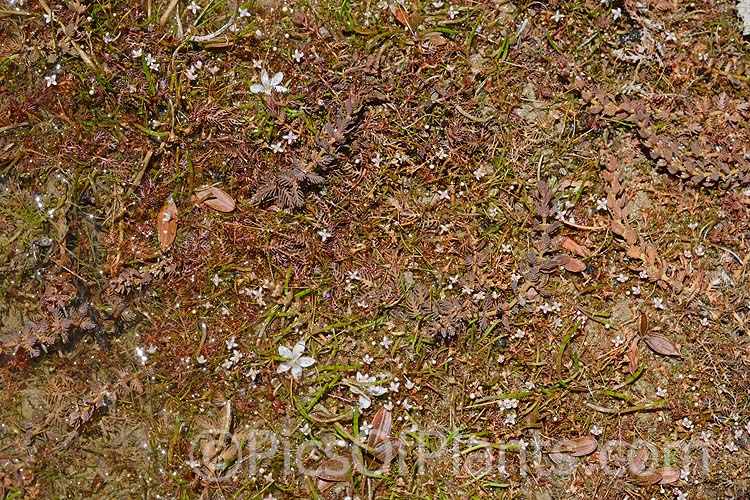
(367,386)
(546,308)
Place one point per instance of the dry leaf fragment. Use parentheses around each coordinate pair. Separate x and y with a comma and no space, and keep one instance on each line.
(649,478)
(661,345)
(637,464)
(572,246)
(381,427)
(574,265)
(401,16)
(334,470)
(579,447)
(167,224)
(669,475)
(215,198)
(387,449)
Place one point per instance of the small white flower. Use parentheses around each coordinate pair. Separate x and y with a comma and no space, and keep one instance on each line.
(136,53)
(681,495)
(324,234)
(658,303)
(636,290)
(557,17)
(368,359)
(216,279)
(298,55)
(244,12)
(616,14)
(290,137)
(686,423)
(731,446)
(48,18)
(295,361)
(231,343)
(386,342)
(277,147)
(201,359)
(506,248)
(601,205)
(193,7)
(622,278)
(191,73)
(452,12)
(268,85)
(661,392)
(443,195)
(510,418)
(437,4)
(595,430)
(618,341)
(51,79)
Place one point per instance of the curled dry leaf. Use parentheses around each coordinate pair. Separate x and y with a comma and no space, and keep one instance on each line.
(661,345)
(167,224)
(579,447)
(215,198)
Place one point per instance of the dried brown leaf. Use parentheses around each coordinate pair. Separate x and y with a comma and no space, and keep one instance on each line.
(661,345)
(579,447)
(648,478)
(637,463)
(386,450)
(401,16)
(167,224)
(669,475)
(215,198)
(334,470)
(572,246)
(381,427)
(574,265)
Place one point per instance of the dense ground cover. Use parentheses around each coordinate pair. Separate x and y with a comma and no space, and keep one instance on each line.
(256,250)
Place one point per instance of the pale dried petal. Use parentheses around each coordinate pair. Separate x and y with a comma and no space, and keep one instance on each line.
(661,345)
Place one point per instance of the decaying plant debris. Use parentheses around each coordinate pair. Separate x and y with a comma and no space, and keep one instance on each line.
(405,249)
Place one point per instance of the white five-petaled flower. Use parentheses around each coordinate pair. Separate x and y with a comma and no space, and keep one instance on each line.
(295,361)
(51,79)
(268,85)
(297,55)
(193,7)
